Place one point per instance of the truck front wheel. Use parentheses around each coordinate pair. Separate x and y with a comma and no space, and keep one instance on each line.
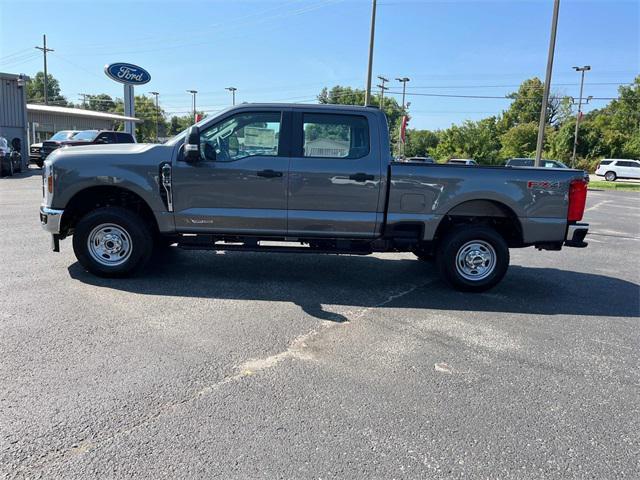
(472,259)
(112,242)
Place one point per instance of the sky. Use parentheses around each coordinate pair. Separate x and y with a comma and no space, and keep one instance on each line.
(287,50)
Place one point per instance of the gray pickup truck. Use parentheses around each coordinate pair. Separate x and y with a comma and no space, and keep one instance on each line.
(303,179)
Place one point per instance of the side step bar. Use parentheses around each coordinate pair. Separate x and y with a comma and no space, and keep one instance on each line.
(202,244)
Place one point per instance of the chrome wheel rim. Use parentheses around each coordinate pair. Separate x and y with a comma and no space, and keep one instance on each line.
(609,176)
(476,260)
(109,245)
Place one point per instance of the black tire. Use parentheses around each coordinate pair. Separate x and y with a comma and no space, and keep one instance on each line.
(490,247)
(610,176)
(40,163)
(128,230)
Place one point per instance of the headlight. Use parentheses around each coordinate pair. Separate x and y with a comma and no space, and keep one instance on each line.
(48,179)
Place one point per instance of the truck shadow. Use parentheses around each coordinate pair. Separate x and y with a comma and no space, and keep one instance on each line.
(312,281)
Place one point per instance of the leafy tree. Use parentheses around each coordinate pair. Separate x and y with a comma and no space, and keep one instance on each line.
(477,140)
(419,143)
(101,103)
(179,123)
(35,91)
(527,103)
(145,109)
(519,141)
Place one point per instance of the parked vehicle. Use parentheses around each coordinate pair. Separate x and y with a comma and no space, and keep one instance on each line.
(613,168)
(421,159)
(86,137)
(462,161)
(531,162)
(10,159)
(35,148)
(317,177)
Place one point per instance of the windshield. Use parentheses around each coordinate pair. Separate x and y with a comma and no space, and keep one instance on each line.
(86,136)
(63,135)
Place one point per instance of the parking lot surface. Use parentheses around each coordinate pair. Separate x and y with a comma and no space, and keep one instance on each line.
(246,365)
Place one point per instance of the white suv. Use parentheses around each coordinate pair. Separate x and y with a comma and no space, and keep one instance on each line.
(614,168)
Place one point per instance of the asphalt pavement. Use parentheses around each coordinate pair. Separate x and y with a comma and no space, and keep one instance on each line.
(253,365)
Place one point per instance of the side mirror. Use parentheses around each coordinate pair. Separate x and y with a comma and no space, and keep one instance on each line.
(192,145)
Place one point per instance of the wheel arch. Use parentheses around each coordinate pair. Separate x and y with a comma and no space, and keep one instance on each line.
(492,213)
(91,198)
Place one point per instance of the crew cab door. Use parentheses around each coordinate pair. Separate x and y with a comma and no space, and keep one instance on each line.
(239,183)
(334,176)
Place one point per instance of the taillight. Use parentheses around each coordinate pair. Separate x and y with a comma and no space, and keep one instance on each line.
(50,183)
(577,200)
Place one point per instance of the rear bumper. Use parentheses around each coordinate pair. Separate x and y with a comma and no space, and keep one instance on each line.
(50,219)
(576,233)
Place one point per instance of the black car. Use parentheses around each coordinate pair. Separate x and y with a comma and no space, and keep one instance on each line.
(35,148)
(86,137)
(10,158)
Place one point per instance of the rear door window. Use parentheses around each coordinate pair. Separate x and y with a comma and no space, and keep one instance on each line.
(335,136)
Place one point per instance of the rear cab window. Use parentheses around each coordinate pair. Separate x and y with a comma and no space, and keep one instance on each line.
(329,135)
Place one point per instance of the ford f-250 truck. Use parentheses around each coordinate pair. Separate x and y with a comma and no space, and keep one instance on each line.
(303,178)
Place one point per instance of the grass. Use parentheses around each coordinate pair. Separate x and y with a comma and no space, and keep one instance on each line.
(623,186)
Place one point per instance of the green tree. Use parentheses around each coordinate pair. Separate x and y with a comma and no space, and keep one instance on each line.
(101,103)
(420,143)
(35,91)
(527,103)
(145,109)
(519,141)
(478,140)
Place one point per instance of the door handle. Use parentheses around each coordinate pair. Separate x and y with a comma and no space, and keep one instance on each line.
(361,177)
(269,173)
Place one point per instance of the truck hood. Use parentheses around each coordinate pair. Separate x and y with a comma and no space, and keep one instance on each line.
(110,155)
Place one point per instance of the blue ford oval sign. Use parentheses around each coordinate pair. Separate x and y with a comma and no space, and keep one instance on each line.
(127,73)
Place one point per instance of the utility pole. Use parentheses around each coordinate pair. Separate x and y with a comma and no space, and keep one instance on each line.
(404,81)
(367,92)
(44,50)
(382,89)
(547,82)
(233,94)
(193,102)
(586,68)
(155,94)
(84,99)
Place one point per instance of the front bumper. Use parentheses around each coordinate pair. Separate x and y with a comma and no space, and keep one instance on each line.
(576,233)
(50,219)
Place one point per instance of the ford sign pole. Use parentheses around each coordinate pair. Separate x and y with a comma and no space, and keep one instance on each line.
(129,109)
(129,75)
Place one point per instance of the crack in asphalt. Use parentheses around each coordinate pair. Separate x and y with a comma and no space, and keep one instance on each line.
(296,350)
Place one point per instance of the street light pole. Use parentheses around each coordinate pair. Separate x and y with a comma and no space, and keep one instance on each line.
(586,68)
(233,94)
(404,81)
(547,82)
(367,92)
(155,94)
(193,100)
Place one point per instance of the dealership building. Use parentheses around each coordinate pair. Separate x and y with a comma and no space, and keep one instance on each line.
(34,123)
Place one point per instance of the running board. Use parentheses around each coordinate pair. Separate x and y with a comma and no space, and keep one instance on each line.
(199,245)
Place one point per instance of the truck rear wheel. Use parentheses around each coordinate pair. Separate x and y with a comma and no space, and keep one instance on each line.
(112,242)
(472,259)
